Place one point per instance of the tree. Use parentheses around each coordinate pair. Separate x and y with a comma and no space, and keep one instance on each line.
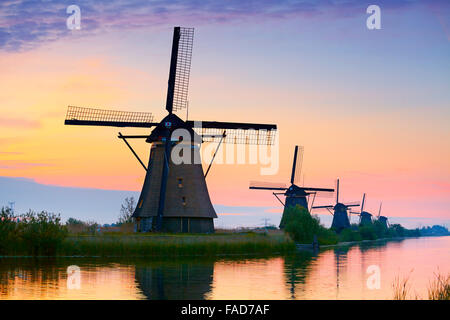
(126,210)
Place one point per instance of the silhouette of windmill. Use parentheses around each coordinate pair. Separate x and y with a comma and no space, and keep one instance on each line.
(365,217)
(340,212)
(295,195)
(174,196)
(383,219)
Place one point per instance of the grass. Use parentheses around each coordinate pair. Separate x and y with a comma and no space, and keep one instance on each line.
(175,244)
(438,288)
(401,288)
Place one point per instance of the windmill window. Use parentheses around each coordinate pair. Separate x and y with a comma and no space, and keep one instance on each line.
(180,183)
(184,200)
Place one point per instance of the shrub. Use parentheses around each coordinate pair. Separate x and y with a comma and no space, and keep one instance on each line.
(368,232)
(41,233)
(347,235)
(8,235)
(302,227)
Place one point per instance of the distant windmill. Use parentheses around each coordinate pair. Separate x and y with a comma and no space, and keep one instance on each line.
(174,196)
(365,217)
(383,219)
(295,195)
(340,212)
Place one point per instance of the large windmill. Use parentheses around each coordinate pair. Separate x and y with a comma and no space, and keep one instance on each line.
(295,195)
(174,197)
(365,217)
(340,212)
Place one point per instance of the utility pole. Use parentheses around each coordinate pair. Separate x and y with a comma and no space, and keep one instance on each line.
(265,223)
(11,206)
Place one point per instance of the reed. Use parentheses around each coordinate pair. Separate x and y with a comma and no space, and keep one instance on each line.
(401,288)
(174,245)
(439,288)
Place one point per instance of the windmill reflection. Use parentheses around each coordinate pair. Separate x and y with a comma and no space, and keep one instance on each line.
(181,279)
(340,257)
(296,270)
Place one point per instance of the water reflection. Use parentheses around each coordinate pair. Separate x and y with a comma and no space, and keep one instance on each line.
(182,279)
(296,269)
(336,273)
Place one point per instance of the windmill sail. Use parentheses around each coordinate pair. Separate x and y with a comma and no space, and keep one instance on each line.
(112,118)
(180,68)
(297,165)
(235,133)
(267,185)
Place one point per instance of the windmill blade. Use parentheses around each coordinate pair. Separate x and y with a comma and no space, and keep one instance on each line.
(337,190)
(323,207)
(180,68)
(297,165)
(236,133)
(379,210)
(351,204)
(163,186)
(362,203)
(111,118)
(258,185)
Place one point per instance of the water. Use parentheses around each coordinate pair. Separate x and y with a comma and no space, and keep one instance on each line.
(339,273)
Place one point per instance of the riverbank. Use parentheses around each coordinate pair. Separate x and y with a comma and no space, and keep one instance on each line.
(154,244)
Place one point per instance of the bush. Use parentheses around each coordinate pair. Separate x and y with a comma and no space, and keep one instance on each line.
(75,226)
(42,232)
(302,227)
(348,235)
(31,233)
(8,234)
(368,232)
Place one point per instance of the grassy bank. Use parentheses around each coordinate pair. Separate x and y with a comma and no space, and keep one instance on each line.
(42,234)
(304,228)
(175,244)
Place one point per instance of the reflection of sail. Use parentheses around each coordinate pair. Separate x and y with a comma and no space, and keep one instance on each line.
(175,280)
(296,268)
(340,254)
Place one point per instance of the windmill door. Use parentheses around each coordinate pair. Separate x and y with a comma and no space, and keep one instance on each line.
(184,224)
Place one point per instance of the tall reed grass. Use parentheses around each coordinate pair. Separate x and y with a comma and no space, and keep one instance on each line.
(438,288)
(174,245)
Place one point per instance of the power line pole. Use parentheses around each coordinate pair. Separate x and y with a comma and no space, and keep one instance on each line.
(265,223)
(11,206)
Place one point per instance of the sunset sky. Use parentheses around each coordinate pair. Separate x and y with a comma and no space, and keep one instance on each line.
(371,107)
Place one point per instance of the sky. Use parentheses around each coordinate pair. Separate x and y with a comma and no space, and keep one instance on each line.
(369,106)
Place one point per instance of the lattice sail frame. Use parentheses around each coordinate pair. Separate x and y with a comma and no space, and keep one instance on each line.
(183,70)
(92,114)
(269,185)
(298,167)
(238,136)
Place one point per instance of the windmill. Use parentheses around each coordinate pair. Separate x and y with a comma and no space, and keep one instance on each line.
(340,212)
(382,219)
(295,195)
(365,217)
(174,196)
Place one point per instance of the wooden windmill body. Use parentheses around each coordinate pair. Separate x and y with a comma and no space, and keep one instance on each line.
(174,196)
(340,212)
(365,218)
